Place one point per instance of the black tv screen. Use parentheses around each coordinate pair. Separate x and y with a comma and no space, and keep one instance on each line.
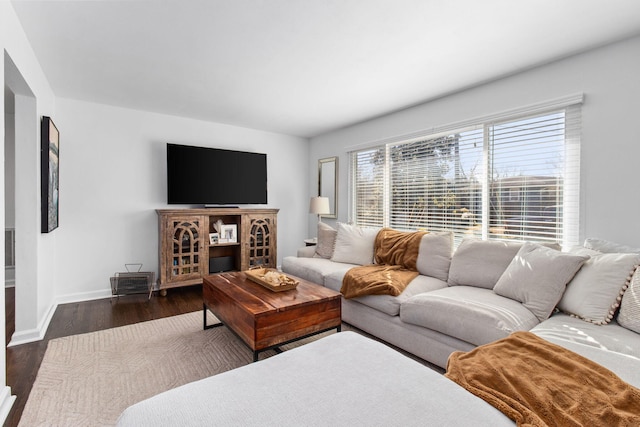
(212,176)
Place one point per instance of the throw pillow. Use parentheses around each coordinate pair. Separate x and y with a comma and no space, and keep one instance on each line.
(480,263)
(354,245)
(537,277)
(595,292)
(326,240)
(606,246)
(629,316)
(434,256)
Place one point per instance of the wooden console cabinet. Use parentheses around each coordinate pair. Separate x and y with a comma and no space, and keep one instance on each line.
(186,253)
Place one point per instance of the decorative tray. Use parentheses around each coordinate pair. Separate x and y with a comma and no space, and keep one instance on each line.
(271,279)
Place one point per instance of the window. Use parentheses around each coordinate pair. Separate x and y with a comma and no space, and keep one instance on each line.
(369,186)
(511,178)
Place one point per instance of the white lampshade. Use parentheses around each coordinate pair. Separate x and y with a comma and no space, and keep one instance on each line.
(319,206)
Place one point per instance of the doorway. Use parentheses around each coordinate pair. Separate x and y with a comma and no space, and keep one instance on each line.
(21,200)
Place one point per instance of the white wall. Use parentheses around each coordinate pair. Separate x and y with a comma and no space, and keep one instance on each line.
(9,169)
(610,147)
(112,168)
(21,72)
(113,177)
(9,181)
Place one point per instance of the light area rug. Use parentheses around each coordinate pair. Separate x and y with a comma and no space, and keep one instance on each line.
(89,379)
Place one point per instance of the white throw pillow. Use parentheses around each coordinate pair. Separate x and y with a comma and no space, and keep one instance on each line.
(595,292)
(537,277)
(354,245)
(480,263)
(607,246)
(434,256)
(326,240)
(629,316)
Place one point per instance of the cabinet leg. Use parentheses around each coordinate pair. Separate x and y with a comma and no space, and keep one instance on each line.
(163,292)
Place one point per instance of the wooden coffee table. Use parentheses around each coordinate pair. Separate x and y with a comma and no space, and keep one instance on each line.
(265,319)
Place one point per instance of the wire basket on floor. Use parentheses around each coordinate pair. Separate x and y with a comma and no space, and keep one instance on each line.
(139,282)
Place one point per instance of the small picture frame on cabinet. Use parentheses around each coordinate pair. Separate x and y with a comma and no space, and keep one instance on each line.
(229,233)
(214,238)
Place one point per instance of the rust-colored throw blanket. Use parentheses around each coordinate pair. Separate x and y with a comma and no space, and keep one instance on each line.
(398,247)
(537,383)
(396,254)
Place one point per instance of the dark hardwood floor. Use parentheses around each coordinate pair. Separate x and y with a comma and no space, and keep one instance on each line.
(23,361)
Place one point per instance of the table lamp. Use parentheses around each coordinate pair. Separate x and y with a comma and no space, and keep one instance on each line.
(319,206)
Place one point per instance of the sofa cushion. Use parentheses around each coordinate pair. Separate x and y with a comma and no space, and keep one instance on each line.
(434,256)
(312,269)
(537,277)
(306,252)
(595,292)
(326,240)
(354,245)
(629,316)
(562,328)
(471,314)
(343,379)
(388,304)
(480,263)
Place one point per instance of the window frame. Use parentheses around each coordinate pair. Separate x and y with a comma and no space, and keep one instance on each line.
(571,108)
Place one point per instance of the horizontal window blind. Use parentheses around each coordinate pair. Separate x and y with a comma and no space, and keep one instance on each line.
(434,182)
(368,187)
(528,165)
(517,179)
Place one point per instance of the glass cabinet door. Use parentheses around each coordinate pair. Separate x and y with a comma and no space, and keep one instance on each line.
(260,245)
(187,254)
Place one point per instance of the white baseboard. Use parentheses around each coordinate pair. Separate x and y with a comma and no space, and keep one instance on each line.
(25,337)
(37,334)
(83,296)
(6,402)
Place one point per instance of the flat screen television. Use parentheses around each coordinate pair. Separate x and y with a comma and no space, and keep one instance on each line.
(212,176)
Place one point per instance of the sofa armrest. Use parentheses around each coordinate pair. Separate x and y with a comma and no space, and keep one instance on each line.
(306,252)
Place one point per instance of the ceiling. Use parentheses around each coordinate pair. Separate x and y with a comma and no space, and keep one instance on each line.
(302,67)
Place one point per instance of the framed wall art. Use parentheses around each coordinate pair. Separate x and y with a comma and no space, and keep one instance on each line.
(50,174)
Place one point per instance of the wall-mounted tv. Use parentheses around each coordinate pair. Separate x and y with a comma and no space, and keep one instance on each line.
(212,176)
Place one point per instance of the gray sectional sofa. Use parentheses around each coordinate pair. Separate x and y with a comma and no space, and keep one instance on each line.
(586,300)
(477,294)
